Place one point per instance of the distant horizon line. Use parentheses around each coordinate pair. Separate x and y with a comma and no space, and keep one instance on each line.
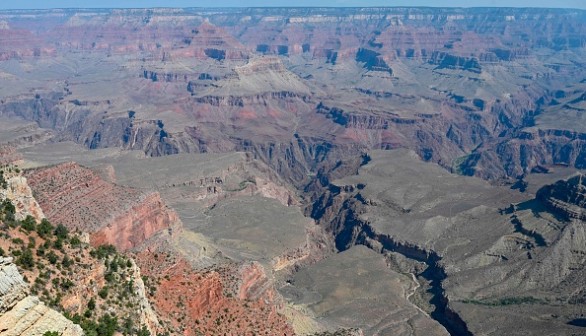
(291,7)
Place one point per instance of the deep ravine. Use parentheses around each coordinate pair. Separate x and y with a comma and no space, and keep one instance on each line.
(339,215)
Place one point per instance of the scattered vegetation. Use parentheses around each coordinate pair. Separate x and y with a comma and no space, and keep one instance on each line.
(51,333)
(50,256)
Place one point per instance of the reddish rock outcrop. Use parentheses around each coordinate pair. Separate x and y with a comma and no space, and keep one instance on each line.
(228,299)
(79,199)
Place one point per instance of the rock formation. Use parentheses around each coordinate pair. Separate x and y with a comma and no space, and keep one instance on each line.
(160,100)
(32,317)
(12,286)
(79,199)
(566,198)
(21,196)
(26,315)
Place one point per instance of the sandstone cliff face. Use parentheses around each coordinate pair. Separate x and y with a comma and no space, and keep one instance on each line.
(79,199)
(137,224)
(281,32)
(26,315)
(446,61)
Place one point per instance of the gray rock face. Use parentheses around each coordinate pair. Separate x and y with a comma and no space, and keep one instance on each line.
(12,286)
(566,198)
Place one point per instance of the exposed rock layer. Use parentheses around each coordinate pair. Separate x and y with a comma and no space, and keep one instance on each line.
(78,198)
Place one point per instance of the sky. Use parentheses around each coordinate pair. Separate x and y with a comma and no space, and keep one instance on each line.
(38,4)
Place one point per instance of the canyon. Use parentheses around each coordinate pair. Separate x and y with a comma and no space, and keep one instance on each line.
(296,171)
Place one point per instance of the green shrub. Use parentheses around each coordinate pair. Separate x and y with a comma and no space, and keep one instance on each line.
(51,333)
(52,257)
(74,241)
(109,277)
(7,210)
(58,244)
(143,332)
(61,231)
(107,325)
(103,293)
(26,259)
(114,265)
(103,251)
(32,243)
(66,284)
(67,262)
(41,251)
(29,224)
(45,229)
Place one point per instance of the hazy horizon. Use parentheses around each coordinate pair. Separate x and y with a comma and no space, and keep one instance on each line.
(47,4)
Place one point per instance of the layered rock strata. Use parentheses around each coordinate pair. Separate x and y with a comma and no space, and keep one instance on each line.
(79,199)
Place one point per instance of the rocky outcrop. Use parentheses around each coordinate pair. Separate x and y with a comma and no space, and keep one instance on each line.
(210,41)
(21,196)
(229,298)
(262,65)
(372,60)
(254,283)
(78,198)
(12,285)
(32,317)
(147,316)
(445,60)
(342,332)
(504,55)
(26,315)
(566,198)
(167,77)
(137,224)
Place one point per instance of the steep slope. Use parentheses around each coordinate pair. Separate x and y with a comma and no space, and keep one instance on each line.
(77,198)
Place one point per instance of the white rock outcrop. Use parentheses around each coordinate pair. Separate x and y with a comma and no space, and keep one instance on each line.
(32,318)
(12,285)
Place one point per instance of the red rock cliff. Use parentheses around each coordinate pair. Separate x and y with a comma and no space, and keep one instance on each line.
(78,198)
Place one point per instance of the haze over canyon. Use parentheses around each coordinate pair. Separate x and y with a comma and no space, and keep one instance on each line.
(293,171)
